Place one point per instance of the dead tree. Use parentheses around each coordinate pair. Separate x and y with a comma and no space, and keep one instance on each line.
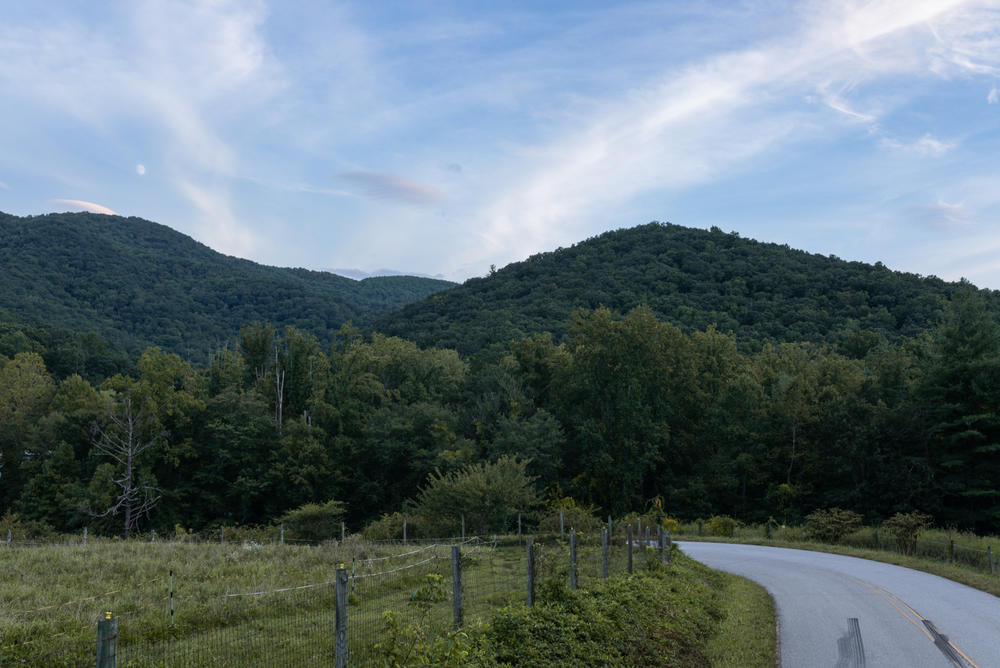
(123,442)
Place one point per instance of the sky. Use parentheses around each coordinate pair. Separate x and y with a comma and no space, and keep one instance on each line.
(445,137)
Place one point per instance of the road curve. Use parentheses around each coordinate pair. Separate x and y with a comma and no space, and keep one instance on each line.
(845,612)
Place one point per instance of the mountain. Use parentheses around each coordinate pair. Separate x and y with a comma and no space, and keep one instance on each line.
(138,283)
(359,274)
(691,277)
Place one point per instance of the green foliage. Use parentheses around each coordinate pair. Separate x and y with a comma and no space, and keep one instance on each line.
(721,525)
(906,526)
(390,527)
(315,521)
(830,525)
(691,277)
(575,516)
(138,284)
(488,494)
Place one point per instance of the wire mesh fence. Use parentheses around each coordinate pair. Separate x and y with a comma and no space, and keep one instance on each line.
(389,587)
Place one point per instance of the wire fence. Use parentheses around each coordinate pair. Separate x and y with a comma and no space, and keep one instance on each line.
(390,587)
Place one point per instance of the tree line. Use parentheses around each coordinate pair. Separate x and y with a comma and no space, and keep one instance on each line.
(627,408)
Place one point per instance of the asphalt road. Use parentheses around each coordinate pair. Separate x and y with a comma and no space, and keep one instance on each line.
(844,612)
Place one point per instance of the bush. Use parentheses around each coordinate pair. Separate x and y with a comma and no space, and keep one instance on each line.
(830,525)
(390,527)
(722,525)
(905,527)
(315,521)
(575,516)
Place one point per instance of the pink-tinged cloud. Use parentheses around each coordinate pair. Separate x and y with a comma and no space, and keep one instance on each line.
(80,205)
(396,188)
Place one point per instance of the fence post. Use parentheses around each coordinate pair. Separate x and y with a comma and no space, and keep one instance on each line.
(629,541)
(530,568)
(572,558)
(222,534)
(604,554)
(152,537)
(341,619)
(282,533)
(171,597)
(662,544)
(699,527)
(562,533)
(456,584)
(639,528)
(989,554)
(404,531)
(107,642)
(951,550)
(343,531)
(914,546)
(8,537)
(84,536)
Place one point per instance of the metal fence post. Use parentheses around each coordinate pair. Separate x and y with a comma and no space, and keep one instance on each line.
(341,619)
(107,642)
(629,541)
(85,536)
(604,554)
(8,537)
(171,597)
(152,537)
(951,550)
(282,533)
(456,584)
(530,568)
(572,558)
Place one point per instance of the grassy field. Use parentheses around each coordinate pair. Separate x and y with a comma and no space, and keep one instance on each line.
(241,604)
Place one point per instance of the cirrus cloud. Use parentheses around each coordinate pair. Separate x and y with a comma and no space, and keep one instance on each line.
(394,188)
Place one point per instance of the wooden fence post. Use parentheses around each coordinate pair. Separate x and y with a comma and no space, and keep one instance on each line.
(629,542)
(456,584)
(341,619)
(604,554)
(572,558)
(530,568)
(107,642)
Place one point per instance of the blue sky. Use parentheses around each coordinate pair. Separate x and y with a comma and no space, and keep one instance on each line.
(443,137)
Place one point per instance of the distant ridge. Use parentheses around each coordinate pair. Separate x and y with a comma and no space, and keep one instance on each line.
(139,283)
(359,275)
(691,277)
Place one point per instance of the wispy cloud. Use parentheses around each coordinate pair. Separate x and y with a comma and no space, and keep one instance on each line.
(216,225)
(4,186)
(940,214)
(394,188)
(80,205)
(994,96)
(925,146)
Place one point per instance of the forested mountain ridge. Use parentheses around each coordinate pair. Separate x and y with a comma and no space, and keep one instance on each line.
(690,277)
(138,283)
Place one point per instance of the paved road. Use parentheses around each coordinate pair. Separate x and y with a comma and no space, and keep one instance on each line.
(844,612)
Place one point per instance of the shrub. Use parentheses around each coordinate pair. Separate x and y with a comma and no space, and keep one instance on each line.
(315,521)
(722,525)
(575,516)
(830,525)
(390,527)
(906,527)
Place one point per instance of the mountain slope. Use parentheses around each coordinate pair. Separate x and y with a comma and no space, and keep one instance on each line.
(691,277)
(138,283)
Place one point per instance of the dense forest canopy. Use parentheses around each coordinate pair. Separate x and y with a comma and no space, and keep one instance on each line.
(137,283)
(692,278)
(612,407)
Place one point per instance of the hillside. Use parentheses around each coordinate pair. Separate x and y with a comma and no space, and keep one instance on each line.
(138,283)
(690,277)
